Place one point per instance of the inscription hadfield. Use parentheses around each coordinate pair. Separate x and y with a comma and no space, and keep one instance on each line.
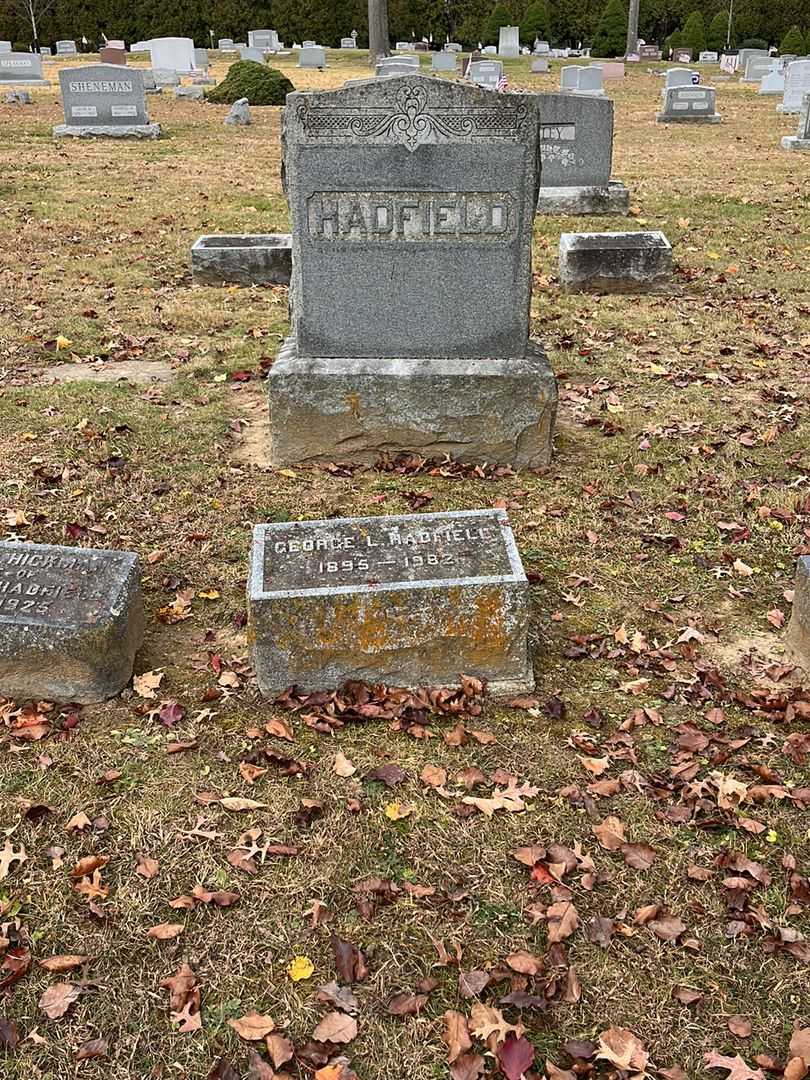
(395,215)
(40,584)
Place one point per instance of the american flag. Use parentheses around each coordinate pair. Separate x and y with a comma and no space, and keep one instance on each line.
(503,83)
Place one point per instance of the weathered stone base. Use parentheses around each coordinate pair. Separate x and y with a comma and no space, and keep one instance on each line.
(247,259)
(664,118)
(89,131)
(81,661)
(793,142)
(10,84)
(411,631)
(611,198)
(493,410)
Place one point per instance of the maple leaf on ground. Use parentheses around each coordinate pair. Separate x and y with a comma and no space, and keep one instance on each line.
(336,1027)
(515,1057)
(58,998)
(146,684)
(8,855)
(342,766)
(349,961)
(736,1067)
(62,963)
(467,1067)
(184,998)
(486,1022)
(456,1034)
(93,1048)
(252,1026)
(622,1048)
(610,833)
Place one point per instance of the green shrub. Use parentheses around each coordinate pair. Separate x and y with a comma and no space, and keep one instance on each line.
(249,79)
(793,42)
(499,17)
(535,23)
(694,34)
(610,38)
(716,34)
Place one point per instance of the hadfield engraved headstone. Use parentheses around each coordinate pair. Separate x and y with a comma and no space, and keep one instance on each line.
(412,201)
(414,601)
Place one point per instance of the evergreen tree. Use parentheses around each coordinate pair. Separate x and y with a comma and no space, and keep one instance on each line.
(611,33)
(535,23)
(694,34)
(499,17)
(793,42)
(716,34)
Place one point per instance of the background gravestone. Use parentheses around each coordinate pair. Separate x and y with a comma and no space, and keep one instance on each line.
(801,140)
(509,42)
(416,600)
(71,621)
(412,201)
(576,148)
(689,104)
(797,84)
(105,100)
(21,69)
(172,53)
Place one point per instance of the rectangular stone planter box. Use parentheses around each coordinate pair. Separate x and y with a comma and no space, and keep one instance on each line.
(623,262)
(242,260)
(71,622)
(416,600)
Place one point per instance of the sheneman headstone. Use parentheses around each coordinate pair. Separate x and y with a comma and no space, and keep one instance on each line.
(71,621)
(412,201)
(418,600)
(689,104)
(104,100)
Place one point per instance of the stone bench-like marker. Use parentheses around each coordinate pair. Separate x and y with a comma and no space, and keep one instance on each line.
(801,140)
(243,260)
(104,100)
(798,632)
(71,622)
(689,105)
(416,600)
(615,262)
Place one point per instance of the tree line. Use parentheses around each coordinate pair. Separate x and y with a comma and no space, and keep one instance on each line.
(561,22)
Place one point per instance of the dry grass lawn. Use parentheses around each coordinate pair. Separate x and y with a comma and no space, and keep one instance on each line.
(661,544)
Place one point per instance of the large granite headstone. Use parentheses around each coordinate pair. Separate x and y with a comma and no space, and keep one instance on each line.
(801,140)
(173,53)
(679,77)
(689,104)
(312,56)
(485,73)
(443,61)
(797,84)
(348,43)
(772,84)
(412,201)
(66,48)
(757,67)
(418,600)
(509,42)
(264,39)
(109,55)
(250,52)
(21,69)
(226,45)
(71,621)
(681,56)
(104,100)
(576,147)
(5,47)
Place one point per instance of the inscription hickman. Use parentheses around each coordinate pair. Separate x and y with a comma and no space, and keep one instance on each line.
(101,87)
(367,552)
(52,588)
(396,215)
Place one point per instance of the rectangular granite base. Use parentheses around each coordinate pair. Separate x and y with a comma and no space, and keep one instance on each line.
(479,410)
(610,198)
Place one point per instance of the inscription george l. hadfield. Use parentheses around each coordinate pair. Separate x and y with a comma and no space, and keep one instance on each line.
(412,215)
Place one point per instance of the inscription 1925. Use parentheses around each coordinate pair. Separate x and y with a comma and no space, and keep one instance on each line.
(411,216)
(42,584)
